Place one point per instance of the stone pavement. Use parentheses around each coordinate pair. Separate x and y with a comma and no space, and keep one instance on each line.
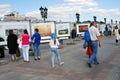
(75,67)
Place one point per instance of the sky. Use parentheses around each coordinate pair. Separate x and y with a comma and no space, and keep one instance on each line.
(64,10)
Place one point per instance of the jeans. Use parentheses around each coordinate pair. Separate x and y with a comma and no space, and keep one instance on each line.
(36,50)
(25,49)
(94,46)
(55,52)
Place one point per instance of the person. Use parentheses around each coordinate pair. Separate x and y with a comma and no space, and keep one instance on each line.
(2,54)
(95,41)
(54,43)
(117,35)
(36,37)
(25,45)
(12,45)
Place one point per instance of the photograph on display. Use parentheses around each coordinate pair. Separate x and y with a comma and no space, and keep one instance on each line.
(63,32)
(18,32)
(63,29)
(82,28)
(44,30)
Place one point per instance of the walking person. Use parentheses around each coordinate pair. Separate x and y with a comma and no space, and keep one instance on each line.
(25,45)
(117,35)
(12,45)
(54,43)
(36,37)
(95,41)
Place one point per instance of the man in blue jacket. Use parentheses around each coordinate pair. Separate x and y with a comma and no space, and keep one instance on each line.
(36,38)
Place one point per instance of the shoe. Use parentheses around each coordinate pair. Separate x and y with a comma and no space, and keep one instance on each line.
(96,63)
(53,66)
(35,59)
(38,58)
(89,65)
(61,63)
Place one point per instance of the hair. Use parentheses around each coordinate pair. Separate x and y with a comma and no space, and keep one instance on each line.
(25,31)
(92,23)
(11,31)
(116,27)
(36,30)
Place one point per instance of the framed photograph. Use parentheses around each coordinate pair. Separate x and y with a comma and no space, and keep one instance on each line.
(81,28)
(45,29)
(63,29)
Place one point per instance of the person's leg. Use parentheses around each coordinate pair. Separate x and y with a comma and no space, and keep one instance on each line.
(35,51)
(53,57)
(27,53)
(59,58)
(2,53)
(94,46)
(13,57)
(24,52)
(38,52)
(58,55)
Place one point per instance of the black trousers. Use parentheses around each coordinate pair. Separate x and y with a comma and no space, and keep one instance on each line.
(2,55)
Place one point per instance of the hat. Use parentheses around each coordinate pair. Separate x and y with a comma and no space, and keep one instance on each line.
(53,36)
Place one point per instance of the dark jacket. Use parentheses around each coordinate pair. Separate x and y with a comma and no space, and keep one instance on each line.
(12,42)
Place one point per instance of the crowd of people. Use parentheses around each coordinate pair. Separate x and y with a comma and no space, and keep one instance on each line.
(14,43)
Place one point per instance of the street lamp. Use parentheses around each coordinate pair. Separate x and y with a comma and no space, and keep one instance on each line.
(43,12)
(111,21)
(78,17)
(105,20)
(94,17)
(116,22)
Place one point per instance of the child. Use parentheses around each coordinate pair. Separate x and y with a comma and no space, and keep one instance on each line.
(54,43)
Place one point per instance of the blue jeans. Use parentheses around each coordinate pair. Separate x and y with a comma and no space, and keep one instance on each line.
(36,50)
(55,52)
(94,46)
(25,49)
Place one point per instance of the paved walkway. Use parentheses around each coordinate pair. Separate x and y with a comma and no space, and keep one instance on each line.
(75,67)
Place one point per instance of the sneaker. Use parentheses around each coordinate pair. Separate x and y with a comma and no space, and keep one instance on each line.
(38,58)
(53,66)
(89,65)
(61,63)
(35,59)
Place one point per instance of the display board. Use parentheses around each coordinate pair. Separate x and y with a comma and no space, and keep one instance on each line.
(16,26)
(45,29)
(63,29)
(81,28)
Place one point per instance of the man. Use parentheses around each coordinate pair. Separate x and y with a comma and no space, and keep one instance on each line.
(95,41)
(36,44)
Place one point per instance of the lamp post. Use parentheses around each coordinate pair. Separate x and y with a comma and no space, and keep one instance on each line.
(94,18)
(105,20)
(111,21)
(78,17)
(43,12)
(116,22)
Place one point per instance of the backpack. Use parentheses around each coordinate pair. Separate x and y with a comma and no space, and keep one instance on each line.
(87,36)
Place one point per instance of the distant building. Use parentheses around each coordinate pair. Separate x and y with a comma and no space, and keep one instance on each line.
(14,16)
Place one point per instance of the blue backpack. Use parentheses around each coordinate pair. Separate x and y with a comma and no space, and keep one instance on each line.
(87,36)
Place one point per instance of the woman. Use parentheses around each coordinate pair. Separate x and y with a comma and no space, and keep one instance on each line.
(12,45)
(117,36)
(25,45)
(54,49)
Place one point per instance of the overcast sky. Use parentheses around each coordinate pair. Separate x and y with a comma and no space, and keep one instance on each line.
(64,10)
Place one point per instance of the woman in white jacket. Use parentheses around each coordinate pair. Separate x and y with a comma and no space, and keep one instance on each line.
(117,35)
(54,43)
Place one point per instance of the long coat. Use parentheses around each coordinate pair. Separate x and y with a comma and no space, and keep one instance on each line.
(12,43)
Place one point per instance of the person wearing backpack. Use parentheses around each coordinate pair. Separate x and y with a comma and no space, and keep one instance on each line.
(86,44)
(95,41)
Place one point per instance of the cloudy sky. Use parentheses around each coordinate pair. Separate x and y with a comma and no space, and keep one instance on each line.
(64,10)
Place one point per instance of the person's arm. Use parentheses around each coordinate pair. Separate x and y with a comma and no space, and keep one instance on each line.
(99,40)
